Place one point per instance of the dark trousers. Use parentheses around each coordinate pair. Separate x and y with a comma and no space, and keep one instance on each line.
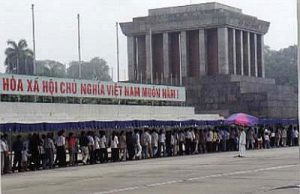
(7,164)
(193,147)
(61,156)
(34,160)
(272,141)
(92,155)
(103,155)
(209,146)
(232,145)
(295,141)
(144,152)
(43,159)
(131,152)
(97,155)
(50,157)
(202,148)
(180,148)
(17,160)
(188,146)
(114,154)
(169,149)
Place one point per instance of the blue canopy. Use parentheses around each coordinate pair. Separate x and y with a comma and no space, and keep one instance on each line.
(265,121)
(40,127)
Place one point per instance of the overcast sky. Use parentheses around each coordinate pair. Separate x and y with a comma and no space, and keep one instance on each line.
(56,25)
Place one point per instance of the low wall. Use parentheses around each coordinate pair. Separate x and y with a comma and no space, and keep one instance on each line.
(12,112)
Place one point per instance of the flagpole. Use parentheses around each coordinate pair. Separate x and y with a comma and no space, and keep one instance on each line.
(298,66)
(79,52)
(33,39)
(118,56)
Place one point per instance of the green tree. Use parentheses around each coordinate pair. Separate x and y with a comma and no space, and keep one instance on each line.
(95,69)
(19,58)
(50,68)
(282,65)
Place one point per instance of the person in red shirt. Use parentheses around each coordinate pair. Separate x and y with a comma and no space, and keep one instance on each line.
(72,148)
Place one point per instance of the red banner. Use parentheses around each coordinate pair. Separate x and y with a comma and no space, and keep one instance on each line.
(50,86)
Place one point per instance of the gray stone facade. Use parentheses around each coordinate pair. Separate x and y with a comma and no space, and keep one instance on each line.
(215,51)
(228,94)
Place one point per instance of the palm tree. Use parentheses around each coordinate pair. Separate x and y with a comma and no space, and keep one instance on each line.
(19,58)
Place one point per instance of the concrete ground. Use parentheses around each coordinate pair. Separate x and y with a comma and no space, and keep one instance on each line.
(270,171)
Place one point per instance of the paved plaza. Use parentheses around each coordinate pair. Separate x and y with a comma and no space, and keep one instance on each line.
(262,171)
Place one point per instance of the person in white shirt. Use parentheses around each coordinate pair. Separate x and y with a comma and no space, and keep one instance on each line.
(91,145)
(181,140)
(123,146)
(173,143)
(49,148)
(138,147)
(103,147)
(272,137)
(195,134)
(96,148)
(61,150)
(283,137)
(154,142)
(144,144)
(209,138)
(296,136)
(149,140)
(162,143)
(176,137)
(114,147)
(188,139)
(242,143)
(4,152)
(267,139)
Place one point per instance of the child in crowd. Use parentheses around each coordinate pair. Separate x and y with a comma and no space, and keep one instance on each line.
(25,156)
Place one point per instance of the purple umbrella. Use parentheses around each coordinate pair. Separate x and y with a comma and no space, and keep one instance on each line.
(241,119)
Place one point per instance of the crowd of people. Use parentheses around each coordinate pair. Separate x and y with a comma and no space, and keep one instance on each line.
(45,151)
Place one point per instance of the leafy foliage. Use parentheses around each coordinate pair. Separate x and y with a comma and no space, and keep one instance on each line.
(51,68)
(95,69)
(282,65)
(19,58)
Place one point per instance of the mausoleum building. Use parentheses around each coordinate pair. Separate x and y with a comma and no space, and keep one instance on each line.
(215,51)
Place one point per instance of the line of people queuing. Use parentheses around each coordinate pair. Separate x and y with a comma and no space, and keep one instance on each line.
(46,151)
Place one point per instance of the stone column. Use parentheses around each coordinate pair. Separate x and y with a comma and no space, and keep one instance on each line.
(248,53)
(149,69)
(183,55)
(242,52)
(131,57)
(255,54)
(202,52)
(262,56)
(233,51)
(166,55)
(223,50)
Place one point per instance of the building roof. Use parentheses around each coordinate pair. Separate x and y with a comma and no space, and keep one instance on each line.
(192,8)
(189,17)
